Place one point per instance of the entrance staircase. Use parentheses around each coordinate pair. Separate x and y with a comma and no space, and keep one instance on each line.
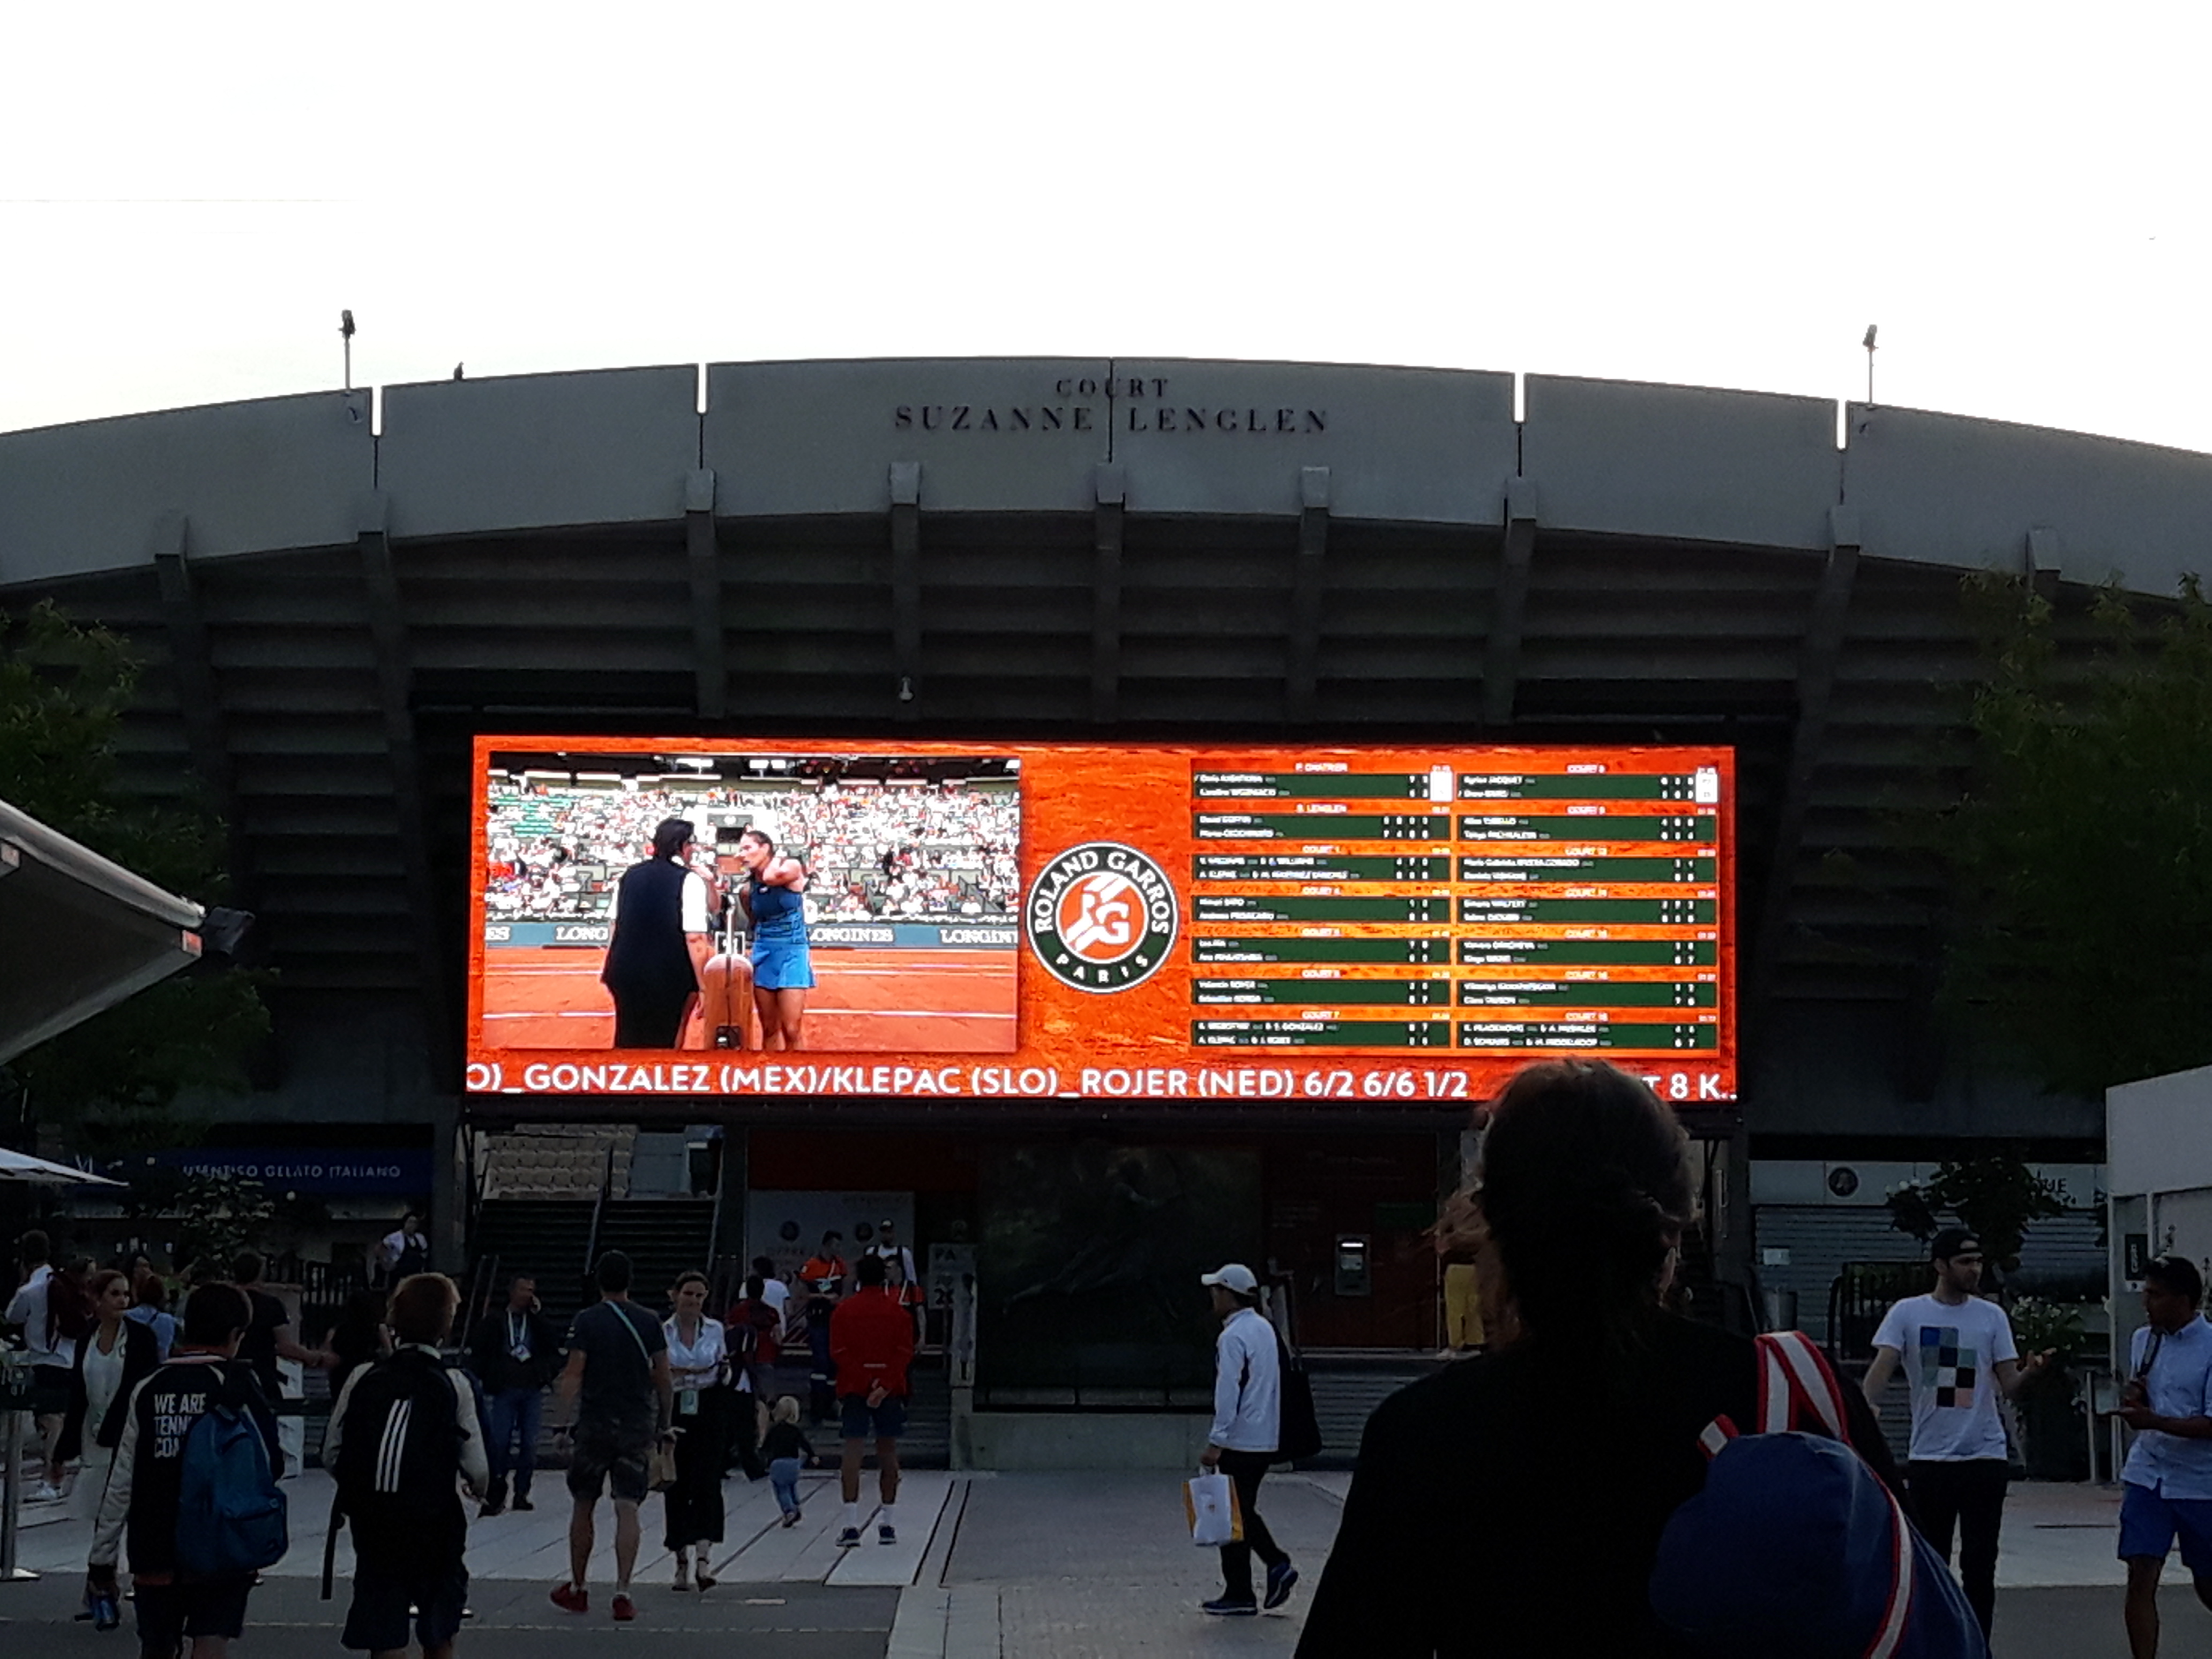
(662,1237)
(546,1238)
(1348,1384)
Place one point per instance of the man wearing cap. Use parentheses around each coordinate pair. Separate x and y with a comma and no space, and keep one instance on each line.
(1962,1352)
(1247,1429)
(2167,1482)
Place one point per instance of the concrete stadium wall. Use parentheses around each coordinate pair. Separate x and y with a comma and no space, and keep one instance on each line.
(631,446)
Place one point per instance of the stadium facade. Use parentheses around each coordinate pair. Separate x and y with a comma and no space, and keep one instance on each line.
(337,597)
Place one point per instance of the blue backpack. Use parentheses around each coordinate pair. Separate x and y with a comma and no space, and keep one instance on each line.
(1796,1546)
(230,1516)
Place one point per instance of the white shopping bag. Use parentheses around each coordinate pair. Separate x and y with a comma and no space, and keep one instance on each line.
(1216,1518)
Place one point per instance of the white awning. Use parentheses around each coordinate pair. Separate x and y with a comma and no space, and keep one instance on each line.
(21,1166)
(78,932)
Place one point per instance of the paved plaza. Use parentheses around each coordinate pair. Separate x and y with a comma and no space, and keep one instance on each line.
(989,1566)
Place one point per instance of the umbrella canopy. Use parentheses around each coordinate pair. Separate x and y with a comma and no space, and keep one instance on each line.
(21,1166)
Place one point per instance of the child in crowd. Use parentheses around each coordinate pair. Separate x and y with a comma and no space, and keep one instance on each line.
(783,1450)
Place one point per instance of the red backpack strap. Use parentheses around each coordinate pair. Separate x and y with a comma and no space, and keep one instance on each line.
(1796,1386)
(1889,1635)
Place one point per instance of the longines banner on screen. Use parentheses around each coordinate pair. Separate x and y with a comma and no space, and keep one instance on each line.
(1164,921)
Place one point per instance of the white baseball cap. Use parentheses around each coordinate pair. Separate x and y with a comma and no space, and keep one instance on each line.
(1235,1276)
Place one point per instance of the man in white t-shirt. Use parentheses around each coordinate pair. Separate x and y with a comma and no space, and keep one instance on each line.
(773,1290)
(404,1251)
(901,1278)
(1960,1354)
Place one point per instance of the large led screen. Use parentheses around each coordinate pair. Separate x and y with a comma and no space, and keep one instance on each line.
(922,920)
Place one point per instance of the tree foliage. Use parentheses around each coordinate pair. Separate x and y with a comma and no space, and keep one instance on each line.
(1997,1196)
(219,1214)
(110,1082)
(2080,859)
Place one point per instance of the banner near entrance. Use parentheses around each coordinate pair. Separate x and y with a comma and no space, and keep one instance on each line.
(1163,921)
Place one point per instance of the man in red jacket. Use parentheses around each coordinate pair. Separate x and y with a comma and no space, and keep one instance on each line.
(872,1342)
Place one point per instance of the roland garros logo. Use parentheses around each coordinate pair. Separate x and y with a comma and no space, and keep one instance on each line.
(1100,916)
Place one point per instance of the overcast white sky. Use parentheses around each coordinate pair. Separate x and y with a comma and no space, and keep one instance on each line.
(1713,195)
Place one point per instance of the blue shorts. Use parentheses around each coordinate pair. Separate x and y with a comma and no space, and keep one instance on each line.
(865,1422)
(2150,1521)
(781,963)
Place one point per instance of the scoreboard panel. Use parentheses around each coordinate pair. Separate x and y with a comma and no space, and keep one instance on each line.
(1576,905)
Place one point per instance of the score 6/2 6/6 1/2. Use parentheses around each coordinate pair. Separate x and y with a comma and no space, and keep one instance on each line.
(1455,1085)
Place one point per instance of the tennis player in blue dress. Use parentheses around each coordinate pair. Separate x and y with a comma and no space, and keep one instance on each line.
(775,907)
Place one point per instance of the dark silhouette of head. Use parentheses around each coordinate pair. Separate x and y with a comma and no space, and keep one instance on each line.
(1585,1193)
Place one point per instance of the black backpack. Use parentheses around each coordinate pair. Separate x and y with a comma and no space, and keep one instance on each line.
(401,1453)
(1298,1431)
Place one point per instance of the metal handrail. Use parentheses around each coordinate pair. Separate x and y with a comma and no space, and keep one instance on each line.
(715,1220)
(598,1209)
(483,1287)
(474,1180)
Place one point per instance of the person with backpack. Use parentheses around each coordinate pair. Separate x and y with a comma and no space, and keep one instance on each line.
(192,1488)
(1962,1358)
(618,1383)
(755,1327)
(1513,1503)
(403,1436)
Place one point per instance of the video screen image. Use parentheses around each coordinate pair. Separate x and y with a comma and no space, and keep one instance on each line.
(891,882)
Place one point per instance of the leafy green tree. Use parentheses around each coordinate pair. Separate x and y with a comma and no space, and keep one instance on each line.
(2079,860)
(1996,1194)
(110,1084)
(218,1215)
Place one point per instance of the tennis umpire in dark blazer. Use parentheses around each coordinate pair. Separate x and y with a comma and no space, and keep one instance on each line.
(663,934)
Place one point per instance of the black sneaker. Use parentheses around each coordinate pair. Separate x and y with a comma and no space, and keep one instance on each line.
(849,1539)
(524,1505)
(1230,1607)
(1282,1578)
(887,1533)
